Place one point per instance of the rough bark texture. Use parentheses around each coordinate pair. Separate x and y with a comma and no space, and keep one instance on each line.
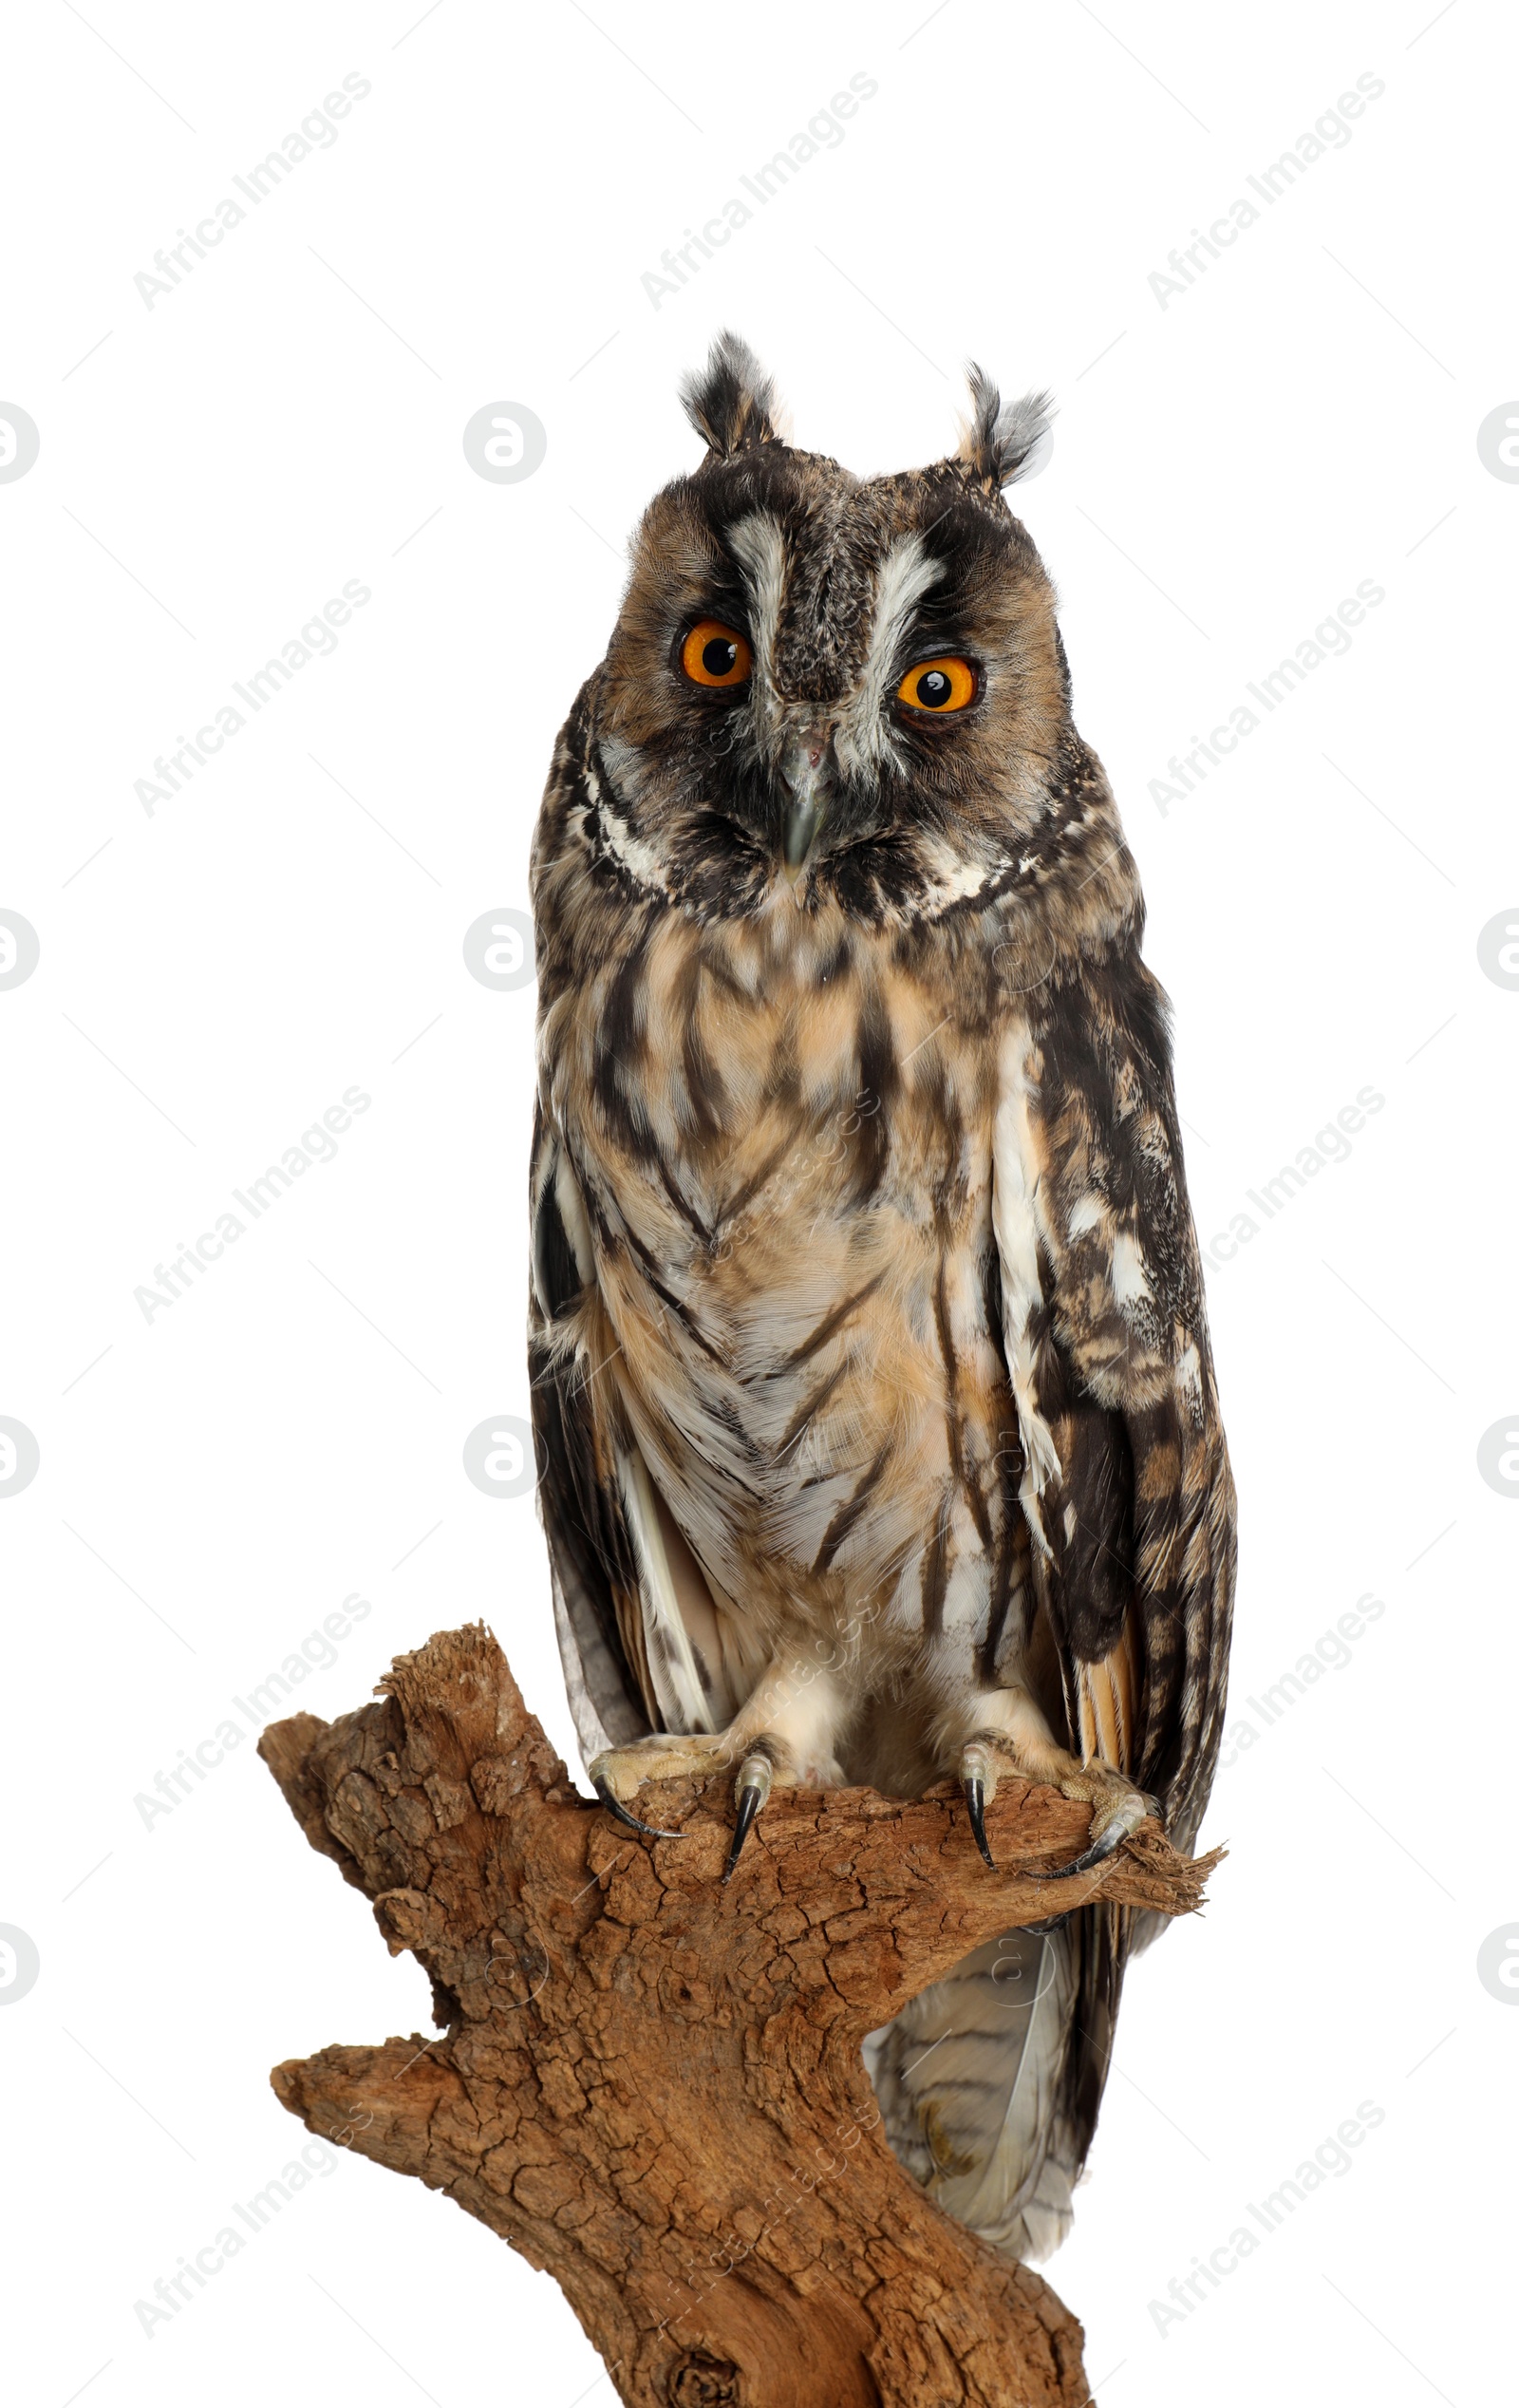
(651,2086)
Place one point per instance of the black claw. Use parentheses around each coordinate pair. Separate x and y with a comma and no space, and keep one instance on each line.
(751,1798)
(976,1809)
(615,1806)
(1112,1838)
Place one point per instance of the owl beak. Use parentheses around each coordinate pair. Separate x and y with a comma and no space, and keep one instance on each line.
(806,772)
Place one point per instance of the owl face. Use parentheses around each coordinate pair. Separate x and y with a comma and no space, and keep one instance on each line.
(823,690)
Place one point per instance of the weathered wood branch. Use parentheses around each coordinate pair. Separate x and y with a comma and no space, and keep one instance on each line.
(652,2085)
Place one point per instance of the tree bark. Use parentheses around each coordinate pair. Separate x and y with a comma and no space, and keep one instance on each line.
(651,2086)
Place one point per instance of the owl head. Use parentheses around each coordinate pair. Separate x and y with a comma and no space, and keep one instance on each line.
(827,692)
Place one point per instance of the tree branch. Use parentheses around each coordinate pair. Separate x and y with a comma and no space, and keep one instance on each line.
(651,2086)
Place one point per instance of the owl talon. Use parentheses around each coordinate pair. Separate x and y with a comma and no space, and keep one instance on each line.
(978,1783)
(975,1792)
(750,1792)
(1095,1854)
(614,1806)
(1127,1816)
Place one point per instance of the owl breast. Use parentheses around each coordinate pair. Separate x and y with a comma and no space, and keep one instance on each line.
(783,1140)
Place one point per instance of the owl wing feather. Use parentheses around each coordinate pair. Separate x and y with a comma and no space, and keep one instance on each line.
(968,2077)
(1127,1487)
(591,1561)
(632,1609)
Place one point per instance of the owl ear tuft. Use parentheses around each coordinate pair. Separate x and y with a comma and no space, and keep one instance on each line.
(731,402)
(1003,441)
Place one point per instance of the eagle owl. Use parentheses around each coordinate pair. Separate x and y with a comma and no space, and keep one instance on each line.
(875,1414)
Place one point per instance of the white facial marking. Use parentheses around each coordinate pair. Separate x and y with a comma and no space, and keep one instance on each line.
(623,767)
(621,764)
(862,735)
(760,547)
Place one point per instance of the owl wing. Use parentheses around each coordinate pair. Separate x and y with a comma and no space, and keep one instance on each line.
(1126,1487)
(632,1608)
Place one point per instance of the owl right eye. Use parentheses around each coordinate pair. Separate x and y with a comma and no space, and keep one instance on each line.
(713,654)
(939,686)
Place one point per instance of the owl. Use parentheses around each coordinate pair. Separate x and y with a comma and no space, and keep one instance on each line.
(876,1423)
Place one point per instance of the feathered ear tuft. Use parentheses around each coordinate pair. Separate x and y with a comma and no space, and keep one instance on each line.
(1003,441)
(731,402)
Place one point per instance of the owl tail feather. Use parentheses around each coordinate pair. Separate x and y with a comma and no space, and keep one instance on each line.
(971,2079)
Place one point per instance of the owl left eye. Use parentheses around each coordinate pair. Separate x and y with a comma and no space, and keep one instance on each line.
(713,654)
(939,685)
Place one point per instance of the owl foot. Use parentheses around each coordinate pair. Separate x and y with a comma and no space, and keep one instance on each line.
(622,1772)
(785,1734)
(619,1772)
(1117,1807)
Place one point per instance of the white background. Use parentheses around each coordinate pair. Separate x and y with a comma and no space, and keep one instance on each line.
(217,1480)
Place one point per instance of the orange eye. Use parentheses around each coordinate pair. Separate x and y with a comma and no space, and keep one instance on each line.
(939,686)
(713,654)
